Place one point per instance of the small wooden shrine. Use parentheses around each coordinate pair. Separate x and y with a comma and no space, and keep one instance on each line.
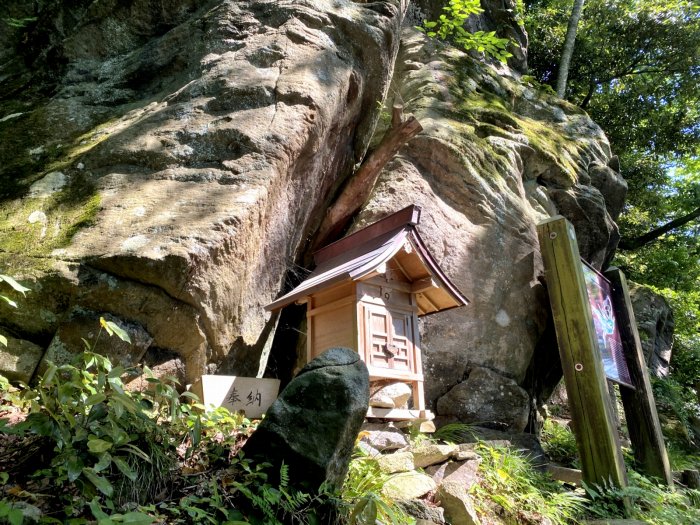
(367,293)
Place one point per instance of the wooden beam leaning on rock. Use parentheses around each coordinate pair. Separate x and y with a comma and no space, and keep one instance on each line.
(359,187)
(586,384)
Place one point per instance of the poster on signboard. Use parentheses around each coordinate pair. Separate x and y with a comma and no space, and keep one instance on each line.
(606,329)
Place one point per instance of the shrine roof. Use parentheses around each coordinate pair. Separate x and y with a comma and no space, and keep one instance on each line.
(366,252)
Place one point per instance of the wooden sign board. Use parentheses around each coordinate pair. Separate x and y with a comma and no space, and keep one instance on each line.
(606,327)
(598,340)
(586,385)
(251,395)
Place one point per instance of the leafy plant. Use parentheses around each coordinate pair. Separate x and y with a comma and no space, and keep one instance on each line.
(559,443)
(16,287)
(362,493)
(450,27)
(98,450)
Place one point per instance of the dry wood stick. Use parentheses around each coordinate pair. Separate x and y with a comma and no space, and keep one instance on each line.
(360,185)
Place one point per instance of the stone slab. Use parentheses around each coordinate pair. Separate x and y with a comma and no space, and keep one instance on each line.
(408,485)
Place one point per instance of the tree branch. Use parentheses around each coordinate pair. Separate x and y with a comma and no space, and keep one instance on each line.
(361,184)
(642,240)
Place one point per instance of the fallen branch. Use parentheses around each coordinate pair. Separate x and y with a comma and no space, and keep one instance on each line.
(360,185)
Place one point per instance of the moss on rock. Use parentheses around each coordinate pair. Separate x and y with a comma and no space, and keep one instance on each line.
(35,226)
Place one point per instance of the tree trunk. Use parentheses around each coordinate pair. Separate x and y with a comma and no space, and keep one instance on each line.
(359,187)
(638,242)
(568,50)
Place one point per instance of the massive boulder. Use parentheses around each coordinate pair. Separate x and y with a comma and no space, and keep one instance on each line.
(168,163)
(149,164)
(496,156)
(313,425)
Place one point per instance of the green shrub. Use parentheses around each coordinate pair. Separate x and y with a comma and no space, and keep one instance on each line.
(450,27)
(92,450)
(362,495)
(559,443)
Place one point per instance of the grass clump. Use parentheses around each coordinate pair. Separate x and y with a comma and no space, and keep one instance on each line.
(512,490)
(650,502)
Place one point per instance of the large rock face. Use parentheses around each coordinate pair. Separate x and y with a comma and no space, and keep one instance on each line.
(155,181)
(496,156)
(168,163)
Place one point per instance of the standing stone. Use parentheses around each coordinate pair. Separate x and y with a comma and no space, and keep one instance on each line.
(312,426)
(459,509)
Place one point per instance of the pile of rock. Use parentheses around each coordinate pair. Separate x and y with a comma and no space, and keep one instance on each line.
(431,481)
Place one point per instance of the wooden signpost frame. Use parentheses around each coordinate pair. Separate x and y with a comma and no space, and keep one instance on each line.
(586,384)
(640,408)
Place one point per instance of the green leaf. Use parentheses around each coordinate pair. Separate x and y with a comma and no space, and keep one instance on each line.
(138,452)
(103,463)
(104,486)
(117,371)
(95,399)
(15,517)
(137,518)
(114,328)
(74,467)
(124,468)
(3,340)
(190,395)
(15,285)
(96,509)
(97,446)
(9,301)
(49,374)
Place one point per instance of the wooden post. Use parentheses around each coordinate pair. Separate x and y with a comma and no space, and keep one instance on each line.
(640,408)
(586,385)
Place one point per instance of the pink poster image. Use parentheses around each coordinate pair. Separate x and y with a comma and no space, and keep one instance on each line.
(607,333)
